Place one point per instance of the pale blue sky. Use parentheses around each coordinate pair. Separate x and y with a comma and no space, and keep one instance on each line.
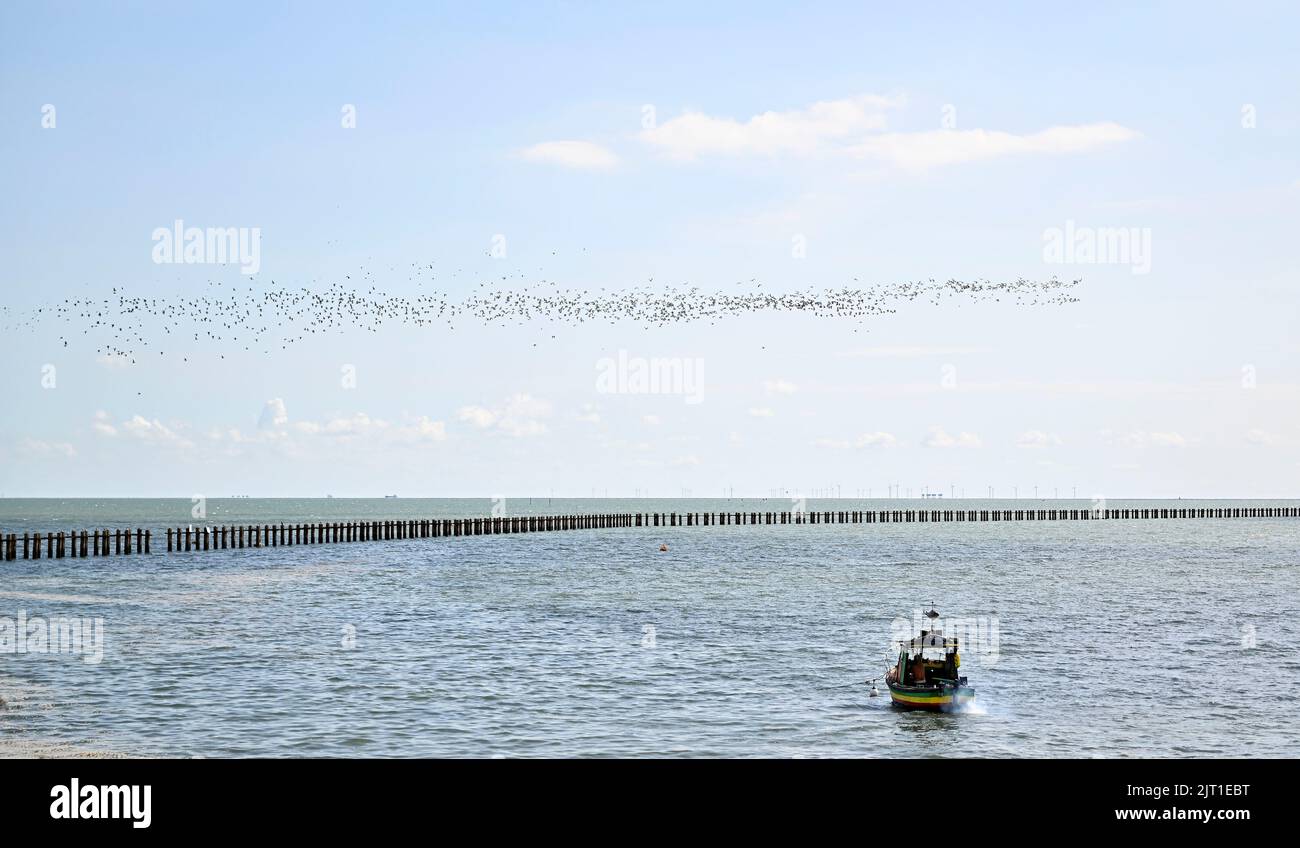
(949,141)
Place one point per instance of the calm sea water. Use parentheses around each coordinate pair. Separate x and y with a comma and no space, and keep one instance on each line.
(1121,638)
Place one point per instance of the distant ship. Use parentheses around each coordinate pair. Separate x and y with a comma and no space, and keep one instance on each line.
(389,496)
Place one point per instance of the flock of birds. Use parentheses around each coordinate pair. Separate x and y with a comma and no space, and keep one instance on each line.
(275,317)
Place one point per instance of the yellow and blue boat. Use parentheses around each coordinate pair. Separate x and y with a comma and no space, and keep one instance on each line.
(929,682)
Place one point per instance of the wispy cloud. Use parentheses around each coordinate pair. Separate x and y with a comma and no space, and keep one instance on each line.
(779,387)
(113,360)
(479,416)
(102,425)
(1037,439)
(936,148)
(273,414)
(910,351)
(520,415)
(1263,437)
(358,428)
(1145,439)
(941,438)
(801,132)
(866,440)
(580,155)
(151,430)
(41,448)
(275,429)
(854,127)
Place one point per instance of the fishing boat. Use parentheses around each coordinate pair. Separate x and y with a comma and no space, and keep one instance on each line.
(926,674)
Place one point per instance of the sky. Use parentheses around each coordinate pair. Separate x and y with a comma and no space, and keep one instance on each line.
(441,151)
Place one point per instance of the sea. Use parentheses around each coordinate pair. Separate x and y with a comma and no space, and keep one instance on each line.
(1137,638)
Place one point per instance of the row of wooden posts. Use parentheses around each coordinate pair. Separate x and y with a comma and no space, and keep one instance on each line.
(76,544)
(126,541)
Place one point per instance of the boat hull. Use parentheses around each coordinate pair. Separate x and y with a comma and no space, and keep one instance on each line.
(933,698)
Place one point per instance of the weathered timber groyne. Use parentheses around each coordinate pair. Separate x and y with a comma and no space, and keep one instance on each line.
(209,537)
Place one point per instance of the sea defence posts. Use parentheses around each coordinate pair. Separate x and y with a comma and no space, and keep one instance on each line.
(210,537)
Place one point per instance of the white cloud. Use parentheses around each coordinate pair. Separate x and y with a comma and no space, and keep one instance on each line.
(651,420)
(689,459)
(520,415)
(1037,439)
(581,155)
(802,131)
(154,431)
(359,428)
(425,429)
(761,412)
(866,440)
(39,448)
(304,439)
(854,127)
(588,414)
(103,425)
(1144,439)
(1261,437)
(779,387)
(935,148)
(940,438)
(343,426)
(477,415)
(910,351)
(273,415)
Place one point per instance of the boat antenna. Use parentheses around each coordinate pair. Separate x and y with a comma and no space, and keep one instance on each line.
(932,615)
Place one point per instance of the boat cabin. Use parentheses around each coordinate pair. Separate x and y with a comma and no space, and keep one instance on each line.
(916,667)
